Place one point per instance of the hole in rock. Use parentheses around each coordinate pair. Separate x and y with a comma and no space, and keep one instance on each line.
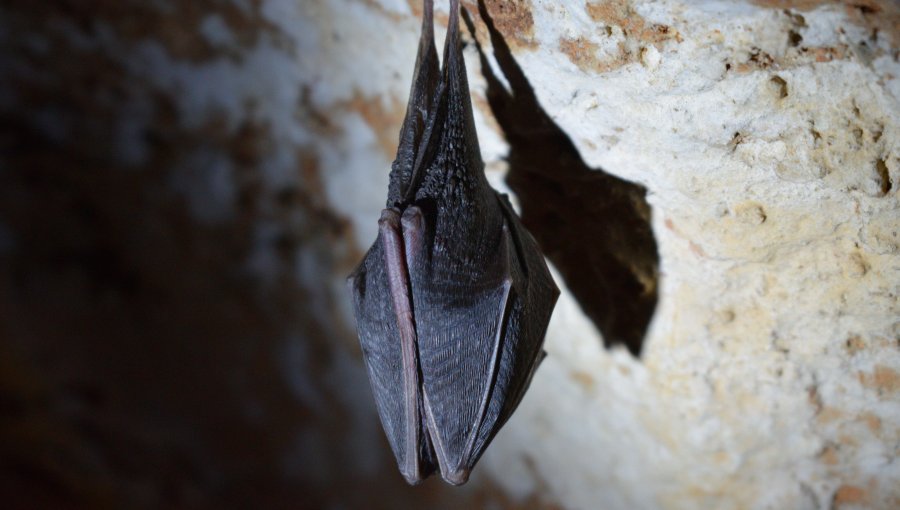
(884,177)
(780,86)
(593,226)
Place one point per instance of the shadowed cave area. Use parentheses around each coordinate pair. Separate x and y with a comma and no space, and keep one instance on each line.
(593,226)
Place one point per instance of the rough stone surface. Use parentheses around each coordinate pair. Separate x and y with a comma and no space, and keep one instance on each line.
(768,141)
(185,185)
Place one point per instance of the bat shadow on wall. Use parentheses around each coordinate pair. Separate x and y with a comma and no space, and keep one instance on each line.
(593,226)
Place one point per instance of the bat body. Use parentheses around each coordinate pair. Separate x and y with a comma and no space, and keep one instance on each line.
(453,299)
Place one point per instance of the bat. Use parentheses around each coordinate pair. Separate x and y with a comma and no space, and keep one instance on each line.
(453,299)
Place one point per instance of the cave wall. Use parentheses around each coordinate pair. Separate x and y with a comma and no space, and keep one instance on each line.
(185,185)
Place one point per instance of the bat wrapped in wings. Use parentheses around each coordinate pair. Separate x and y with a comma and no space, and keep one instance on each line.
(453,299)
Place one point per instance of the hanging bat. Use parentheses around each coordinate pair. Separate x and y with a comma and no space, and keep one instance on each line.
(453,299)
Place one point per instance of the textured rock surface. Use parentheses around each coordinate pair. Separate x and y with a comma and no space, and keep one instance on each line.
(184,186)
(768,141)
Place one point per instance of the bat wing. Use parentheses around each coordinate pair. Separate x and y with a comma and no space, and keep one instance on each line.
(421,113)
(479,339)
(386,328)
(526,324)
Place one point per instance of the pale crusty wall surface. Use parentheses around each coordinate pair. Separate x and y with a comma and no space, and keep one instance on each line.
(768,139)
(767,135)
